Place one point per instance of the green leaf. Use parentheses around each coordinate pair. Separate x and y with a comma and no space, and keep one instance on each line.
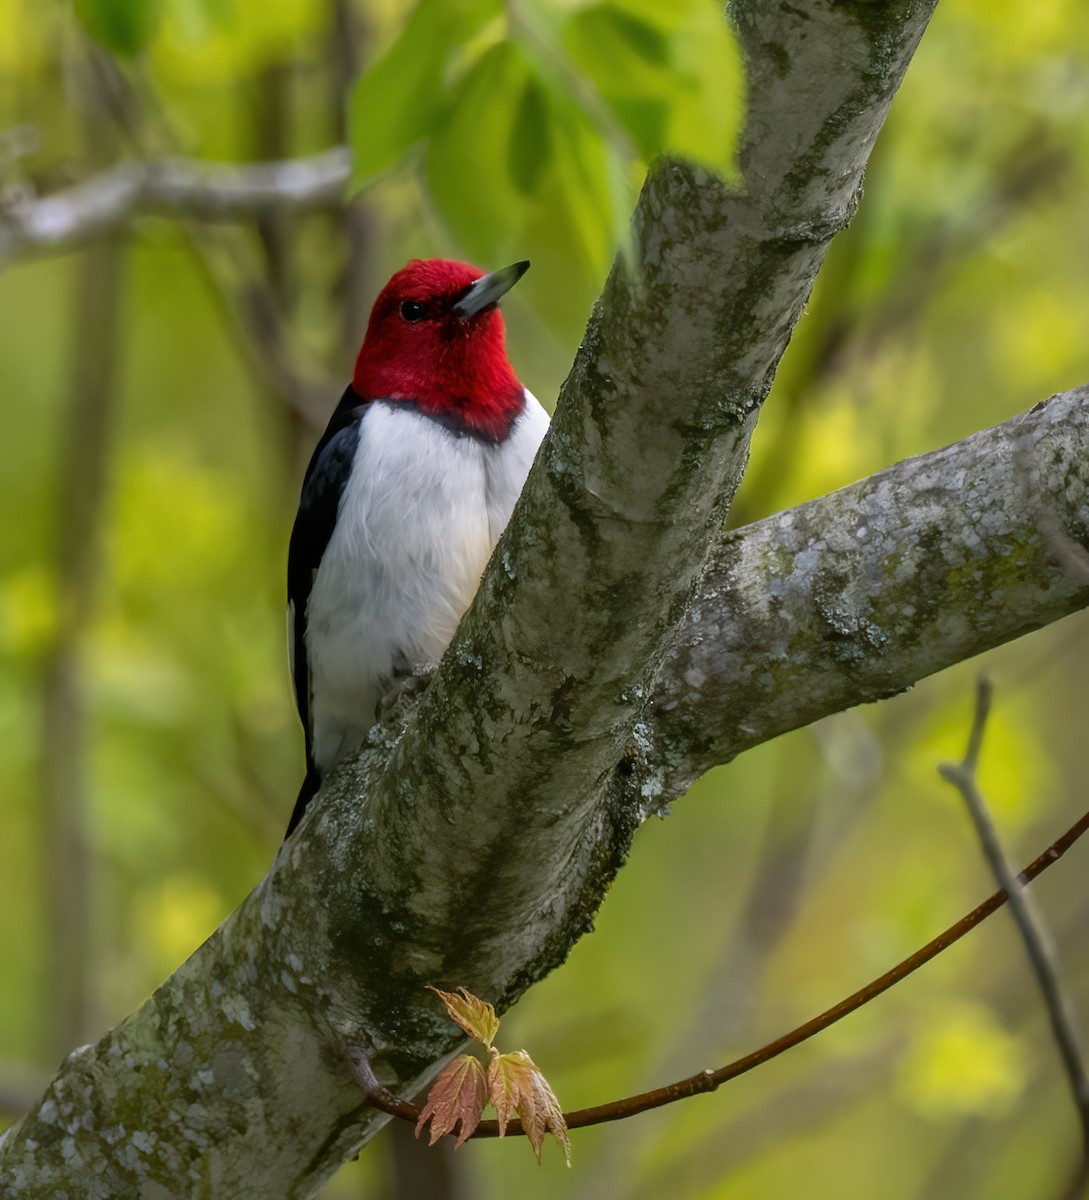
(677,89)
(618,41)
(530,138)
(467,171)
(707,107)
(123,26)
(628,61)
(576,218)
(646,119)
(397,101)
(623,54)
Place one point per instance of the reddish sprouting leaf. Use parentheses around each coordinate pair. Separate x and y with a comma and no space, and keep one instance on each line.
(515,1084)
(475,1016)
(457,1098)
(503,1088)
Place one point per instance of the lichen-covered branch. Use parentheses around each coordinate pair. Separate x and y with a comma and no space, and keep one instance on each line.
(857,595)
(198,191)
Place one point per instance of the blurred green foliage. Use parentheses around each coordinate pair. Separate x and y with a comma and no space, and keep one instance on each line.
(496,132)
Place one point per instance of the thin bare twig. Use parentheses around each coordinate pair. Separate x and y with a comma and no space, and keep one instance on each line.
(710,1080)
(1063,1025)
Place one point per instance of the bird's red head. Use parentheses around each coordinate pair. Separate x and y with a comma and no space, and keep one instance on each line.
(436,338)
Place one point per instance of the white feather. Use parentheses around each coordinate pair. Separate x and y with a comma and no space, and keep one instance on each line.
(420,514)
(508,465)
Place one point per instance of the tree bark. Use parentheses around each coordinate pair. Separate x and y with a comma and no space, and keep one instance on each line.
(618,646)
(854,597)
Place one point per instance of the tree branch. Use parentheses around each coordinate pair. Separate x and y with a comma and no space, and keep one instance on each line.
(857,595)
(175,186)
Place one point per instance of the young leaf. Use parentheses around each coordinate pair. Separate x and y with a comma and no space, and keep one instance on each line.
(399,97)
(456,1099)
(467,170)
(515,1083)
(475,1016)
(502,1089)
(530,138)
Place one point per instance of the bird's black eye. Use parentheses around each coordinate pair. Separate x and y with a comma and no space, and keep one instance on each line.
(412,310)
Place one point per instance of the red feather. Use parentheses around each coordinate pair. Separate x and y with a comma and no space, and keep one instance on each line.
(449,366)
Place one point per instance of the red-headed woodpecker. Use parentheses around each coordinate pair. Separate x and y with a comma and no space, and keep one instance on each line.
(404,499)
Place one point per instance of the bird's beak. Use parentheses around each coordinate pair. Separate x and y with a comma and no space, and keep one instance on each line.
(487,290)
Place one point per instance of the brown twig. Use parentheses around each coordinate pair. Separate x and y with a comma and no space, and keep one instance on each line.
(1063,1026)
(710,1080)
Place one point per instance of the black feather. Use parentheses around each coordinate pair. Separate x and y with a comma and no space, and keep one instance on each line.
(319,504)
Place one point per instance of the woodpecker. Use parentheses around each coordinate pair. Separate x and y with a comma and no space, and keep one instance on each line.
(405,497)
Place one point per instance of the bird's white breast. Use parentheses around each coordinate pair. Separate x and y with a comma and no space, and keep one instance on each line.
(420,513)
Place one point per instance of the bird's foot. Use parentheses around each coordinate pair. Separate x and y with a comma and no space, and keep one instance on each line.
(404,690)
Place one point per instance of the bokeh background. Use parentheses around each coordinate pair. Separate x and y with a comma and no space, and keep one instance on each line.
(159,393)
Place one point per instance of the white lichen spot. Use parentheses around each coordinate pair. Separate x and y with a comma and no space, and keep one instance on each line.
(507,567)
(652,786)
(144,1142)
(235,1009)
(289,982)
(695,678)
(48,1112)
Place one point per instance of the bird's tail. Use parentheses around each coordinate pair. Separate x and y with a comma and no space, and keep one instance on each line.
(307,793)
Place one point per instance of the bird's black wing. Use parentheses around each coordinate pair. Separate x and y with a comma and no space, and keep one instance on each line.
(323,486)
